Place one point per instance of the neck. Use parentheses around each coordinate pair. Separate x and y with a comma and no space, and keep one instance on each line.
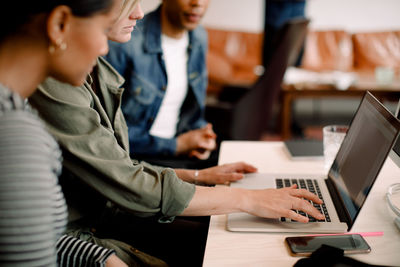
(169,28)
(22,67)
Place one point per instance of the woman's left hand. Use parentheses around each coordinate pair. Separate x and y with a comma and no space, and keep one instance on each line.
(225,174)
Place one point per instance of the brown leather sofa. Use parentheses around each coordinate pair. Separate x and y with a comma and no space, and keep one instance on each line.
(328,50)
(376,49)
(234,56)
(340,50)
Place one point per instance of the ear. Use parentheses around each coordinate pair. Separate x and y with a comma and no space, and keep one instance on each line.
(58,23)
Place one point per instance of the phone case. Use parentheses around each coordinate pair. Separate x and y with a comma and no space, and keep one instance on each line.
(298,245)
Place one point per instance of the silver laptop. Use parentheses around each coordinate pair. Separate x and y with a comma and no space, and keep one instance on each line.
(395,152)
(344,190)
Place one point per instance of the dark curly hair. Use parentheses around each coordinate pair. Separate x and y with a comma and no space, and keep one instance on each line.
(16,13)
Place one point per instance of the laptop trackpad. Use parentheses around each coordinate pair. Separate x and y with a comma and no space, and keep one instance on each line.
(256,181)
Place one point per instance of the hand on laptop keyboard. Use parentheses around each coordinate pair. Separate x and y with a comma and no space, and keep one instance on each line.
(310,185)
(277,203)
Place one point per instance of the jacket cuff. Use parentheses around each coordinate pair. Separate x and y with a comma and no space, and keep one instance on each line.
(199,124)
(177,195)
(167,146)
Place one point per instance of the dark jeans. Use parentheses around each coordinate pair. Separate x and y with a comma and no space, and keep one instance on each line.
(277,13)
(127,253)
(180,243)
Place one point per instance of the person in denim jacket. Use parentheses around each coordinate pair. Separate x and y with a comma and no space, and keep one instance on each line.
(164,101)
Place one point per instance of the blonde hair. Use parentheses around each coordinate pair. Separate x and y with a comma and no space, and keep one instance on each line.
(127,7)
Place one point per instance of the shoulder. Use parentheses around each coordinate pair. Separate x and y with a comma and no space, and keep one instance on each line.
(22,120)
(16,116)
(54,91)
(10,100)
(15,113)
(150,20)
(200,32)
(200,36)
(23,137)
(109,74)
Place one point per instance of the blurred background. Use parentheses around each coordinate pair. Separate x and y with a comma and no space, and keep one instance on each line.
(238,27)
(352,15)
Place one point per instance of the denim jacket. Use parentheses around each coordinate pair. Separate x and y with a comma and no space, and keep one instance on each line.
(140,62)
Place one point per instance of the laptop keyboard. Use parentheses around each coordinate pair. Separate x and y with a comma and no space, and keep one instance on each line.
(313,187)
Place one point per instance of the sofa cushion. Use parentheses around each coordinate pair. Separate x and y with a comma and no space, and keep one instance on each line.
(232,57)
(328,50)
(375,49)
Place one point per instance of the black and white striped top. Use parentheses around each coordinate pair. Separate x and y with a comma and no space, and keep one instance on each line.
(33,212)
(74,252)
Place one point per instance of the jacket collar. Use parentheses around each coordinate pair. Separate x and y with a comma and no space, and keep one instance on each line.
(108,74)
(152,33)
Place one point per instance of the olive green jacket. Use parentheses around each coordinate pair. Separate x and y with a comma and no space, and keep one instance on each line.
(92,132)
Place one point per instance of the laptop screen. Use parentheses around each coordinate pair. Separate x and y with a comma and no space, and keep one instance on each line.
(362,153)
(395,153)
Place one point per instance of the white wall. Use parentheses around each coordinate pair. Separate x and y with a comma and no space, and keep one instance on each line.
(240,15)
(354,15)
(350,15)
(148,5)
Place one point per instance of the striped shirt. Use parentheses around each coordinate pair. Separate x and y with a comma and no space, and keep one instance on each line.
(33,212)
(75,252)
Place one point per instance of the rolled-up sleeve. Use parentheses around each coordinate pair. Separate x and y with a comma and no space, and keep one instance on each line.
(97,156)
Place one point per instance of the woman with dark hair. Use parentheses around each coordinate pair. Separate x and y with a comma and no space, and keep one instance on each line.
(62,39)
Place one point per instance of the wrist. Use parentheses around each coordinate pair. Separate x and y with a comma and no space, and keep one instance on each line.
(196,176)
(181,145)
(242,199)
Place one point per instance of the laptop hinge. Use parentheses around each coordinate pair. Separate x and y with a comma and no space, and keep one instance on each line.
(340,208)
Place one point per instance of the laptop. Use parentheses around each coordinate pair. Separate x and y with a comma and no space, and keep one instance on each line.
(345,188)
(395,152)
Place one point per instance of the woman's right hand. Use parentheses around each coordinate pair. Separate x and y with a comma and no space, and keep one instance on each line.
(276,203)
(266,203)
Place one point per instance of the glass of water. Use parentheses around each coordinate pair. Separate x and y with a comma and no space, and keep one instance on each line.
(333,136)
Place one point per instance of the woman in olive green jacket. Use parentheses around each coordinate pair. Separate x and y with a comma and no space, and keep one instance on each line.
(100,178)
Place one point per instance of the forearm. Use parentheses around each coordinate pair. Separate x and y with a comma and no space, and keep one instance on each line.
(266,203)
(224,174)
(187,175)
(215,200)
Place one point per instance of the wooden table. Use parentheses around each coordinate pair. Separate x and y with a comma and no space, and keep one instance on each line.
(366,81)
(226,248)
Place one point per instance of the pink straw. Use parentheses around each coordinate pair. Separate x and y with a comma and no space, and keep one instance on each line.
(361,233)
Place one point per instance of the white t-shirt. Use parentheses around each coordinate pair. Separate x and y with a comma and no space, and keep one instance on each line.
(175,58)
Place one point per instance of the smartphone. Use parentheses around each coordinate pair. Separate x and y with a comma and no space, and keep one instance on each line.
(305,245)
